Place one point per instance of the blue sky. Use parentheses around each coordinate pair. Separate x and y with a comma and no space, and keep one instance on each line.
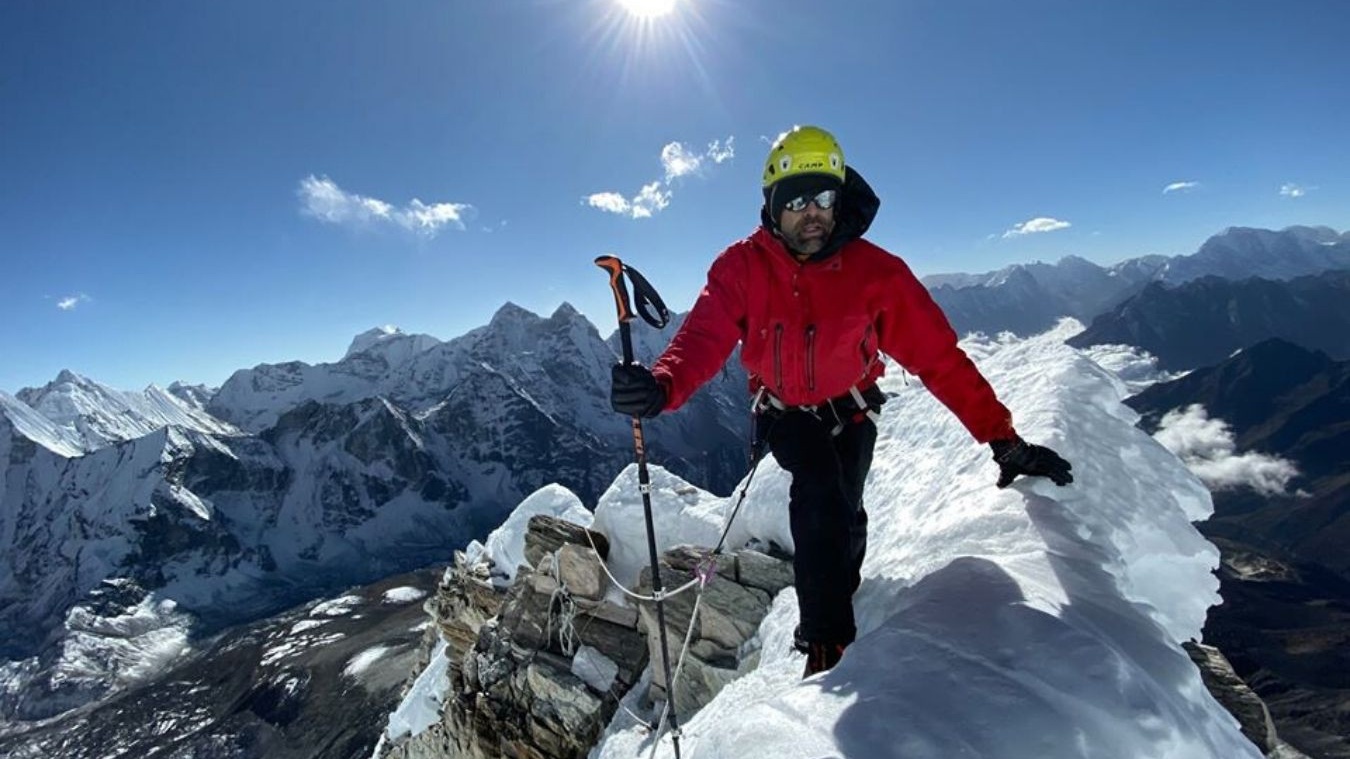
(190,188)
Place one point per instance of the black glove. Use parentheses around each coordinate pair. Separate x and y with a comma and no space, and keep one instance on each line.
(1016,456)
(635,391)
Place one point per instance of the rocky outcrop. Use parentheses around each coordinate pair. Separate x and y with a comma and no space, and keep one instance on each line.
(537,670)
(733,603)
(1239,699)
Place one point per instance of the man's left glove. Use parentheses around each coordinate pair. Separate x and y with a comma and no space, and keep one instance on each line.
(635,391)
(1016,456)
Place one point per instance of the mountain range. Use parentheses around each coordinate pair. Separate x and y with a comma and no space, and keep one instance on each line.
(1029,298)
(294,480)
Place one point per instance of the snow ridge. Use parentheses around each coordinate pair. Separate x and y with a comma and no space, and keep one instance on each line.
(97,416)
(1033,621)
(33,426)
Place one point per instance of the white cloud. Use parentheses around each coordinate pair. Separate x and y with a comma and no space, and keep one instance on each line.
(323,199)
(71,302)
(611,202)
(1291,190)
(1180,187)
(1036,225)
(717,152)
(650,200)
(1206,446)
(677,160)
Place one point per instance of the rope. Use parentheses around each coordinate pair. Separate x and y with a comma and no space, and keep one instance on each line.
(567,612)
(704,573)
(679,666)
(615,582)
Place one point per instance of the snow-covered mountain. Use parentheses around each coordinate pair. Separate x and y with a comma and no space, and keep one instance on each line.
(336,474)
(1033,621)
(391,343)
(24,431)
(1242,252)
(1028,298)
(415,371)
(97,415)
(195,396)
(543,377)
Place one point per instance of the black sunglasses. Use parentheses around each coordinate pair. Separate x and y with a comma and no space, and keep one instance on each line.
(824,201)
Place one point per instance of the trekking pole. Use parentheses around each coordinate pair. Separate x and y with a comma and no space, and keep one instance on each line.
(647,298)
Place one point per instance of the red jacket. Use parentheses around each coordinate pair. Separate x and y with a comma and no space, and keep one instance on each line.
(810,331)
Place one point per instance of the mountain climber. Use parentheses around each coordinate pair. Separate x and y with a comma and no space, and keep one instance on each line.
(813,305)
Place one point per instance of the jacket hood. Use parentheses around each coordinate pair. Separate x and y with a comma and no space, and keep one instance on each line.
(857,207)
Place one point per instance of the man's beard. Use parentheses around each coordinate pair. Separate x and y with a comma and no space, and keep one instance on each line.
(808,244)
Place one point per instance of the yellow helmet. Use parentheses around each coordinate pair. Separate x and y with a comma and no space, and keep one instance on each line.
(804,150)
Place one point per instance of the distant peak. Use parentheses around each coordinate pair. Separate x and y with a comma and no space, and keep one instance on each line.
(391,343)
(565,311)
(1076,260)
(372,337)
(510,313)
(67,381)
(511,307)
(380,333)
(1317,233)
(1275,347)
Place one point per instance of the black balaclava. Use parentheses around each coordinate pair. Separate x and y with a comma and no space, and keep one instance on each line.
(777,195)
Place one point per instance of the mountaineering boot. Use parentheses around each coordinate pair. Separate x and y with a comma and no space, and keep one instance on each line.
(822,656)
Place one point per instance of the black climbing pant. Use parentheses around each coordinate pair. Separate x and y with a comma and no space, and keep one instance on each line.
(829,523)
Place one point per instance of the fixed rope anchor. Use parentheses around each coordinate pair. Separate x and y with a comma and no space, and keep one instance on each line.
(706,570)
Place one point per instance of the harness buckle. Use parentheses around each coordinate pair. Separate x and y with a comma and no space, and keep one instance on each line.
(764,402)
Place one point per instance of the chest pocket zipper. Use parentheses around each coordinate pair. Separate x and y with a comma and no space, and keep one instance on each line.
(778,357)
(864,348)
(811,357)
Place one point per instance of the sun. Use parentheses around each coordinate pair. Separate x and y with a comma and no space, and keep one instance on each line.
(648,8)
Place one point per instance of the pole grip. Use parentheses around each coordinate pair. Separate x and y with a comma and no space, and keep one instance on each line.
(614,266)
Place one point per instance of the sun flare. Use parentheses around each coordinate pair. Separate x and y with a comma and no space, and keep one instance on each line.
(648,8)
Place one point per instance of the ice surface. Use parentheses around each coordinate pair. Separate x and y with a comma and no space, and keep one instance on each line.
(421,707)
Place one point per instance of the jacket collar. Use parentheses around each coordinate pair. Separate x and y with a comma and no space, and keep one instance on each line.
(857,208)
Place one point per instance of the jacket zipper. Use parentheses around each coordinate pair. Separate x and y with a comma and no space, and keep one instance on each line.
(862,348)
(811,357)
(778,357)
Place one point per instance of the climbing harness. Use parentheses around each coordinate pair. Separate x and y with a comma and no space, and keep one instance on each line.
(846,409)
